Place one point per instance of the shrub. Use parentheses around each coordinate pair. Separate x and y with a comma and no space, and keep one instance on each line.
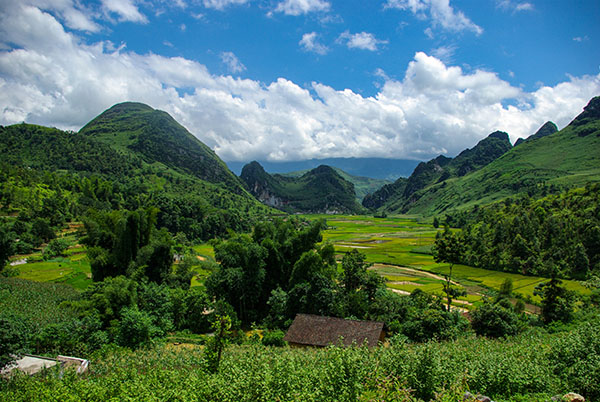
(496,321)
(273,338)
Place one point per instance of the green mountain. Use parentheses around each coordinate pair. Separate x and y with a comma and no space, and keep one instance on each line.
(129,157)
(153,135)
(565,159)
(401,194)
(547,129)
(362,185)
(320,190)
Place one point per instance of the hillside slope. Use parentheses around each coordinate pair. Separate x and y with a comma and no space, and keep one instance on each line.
(156,137)
(320,190)
(401,194)
(129,157)
(565,159)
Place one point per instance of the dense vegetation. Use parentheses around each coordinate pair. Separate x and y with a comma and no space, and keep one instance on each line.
(58,176)
(320,190)
(558,235)
(549,164)
(531,367)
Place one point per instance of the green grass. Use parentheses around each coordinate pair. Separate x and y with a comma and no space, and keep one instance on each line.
(74,270)
(404,241)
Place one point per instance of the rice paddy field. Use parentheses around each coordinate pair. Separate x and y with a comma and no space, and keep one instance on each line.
(399,248)
(73,268)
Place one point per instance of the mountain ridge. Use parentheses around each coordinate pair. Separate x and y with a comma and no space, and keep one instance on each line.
(320,190)
(567,158)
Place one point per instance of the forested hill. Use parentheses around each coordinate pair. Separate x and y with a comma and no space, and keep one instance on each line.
(362,185)
(399,195)
(156,137)
(320,190)
(565,159)
(115,164)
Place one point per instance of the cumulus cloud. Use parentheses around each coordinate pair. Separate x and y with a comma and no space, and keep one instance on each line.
(439,12)
(310,43)
(222,4)
(49,76)
(73,14)
(125,9)
(298,7)
(232,62)
(361,40)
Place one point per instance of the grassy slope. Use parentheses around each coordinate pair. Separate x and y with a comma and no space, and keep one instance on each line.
(564,159)
(155,136)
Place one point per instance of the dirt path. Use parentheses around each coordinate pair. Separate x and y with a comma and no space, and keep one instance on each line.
(413,271)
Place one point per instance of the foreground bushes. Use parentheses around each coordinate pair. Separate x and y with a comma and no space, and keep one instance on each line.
(532,367)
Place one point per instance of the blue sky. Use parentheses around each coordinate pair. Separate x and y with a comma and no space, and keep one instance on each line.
(300,79)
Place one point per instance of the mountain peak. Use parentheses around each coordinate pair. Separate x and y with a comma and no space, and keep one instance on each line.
(590,113)
(137,128)
(501,135)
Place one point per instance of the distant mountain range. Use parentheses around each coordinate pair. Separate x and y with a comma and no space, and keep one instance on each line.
(133,156)
(547,161)
(319,190)
(376,168)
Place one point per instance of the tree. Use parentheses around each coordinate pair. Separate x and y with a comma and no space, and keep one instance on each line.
(495,320)
(6,246)
(449,249)
(354,270)
(557,302)
(214,347)
(55,248)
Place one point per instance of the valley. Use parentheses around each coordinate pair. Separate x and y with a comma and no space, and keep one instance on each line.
(132,244)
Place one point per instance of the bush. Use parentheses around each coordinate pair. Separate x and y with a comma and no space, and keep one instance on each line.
(55,248)
(495,321)
(576,359)
(136,328)
(273,338)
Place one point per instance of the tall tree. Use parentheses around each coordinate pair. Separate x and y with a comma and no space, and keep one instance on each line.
(448,248)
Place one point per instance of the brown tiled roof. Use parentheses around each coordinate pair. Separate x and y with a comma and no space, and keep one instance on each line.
(315,330)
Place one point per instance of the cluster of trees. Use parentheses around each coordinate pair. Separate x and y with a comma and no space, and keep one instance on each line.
(558,235)
(281,270)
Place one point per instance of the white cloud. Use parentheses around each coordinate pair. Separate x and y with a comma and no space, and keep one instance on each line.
(310,43)
(298,7)
(125,9)
(439,11)
(232,62)
(50,77)
(361,40)
(444,53)
(222,4)
(72,13)
(581,38)
(514,6)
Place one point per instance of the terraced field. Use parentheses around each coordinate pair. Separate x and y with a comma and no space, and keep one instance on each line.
(399,248)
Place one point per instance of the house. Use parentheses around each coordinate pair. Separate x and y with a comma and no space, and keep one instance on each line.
(320,331)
